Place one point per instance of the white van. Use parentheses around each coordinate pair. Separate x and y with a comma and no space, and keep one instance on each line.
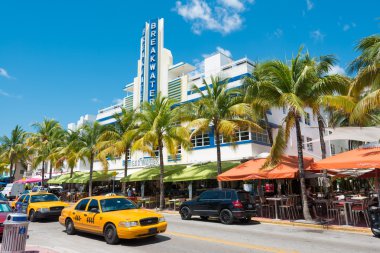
(11,191)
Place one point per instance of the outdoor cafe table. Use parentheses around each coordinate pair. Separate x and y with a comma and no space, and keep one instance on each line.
(276,205)
(174,201)
(345,203)
(143,200)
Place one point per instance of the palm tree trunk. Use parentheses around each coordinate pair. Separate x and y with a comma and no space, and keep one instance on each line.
(305,207)
(91,170)
(43,173)
(321,128)
(268,129)
(71,176)
(218,155)
(162,189)
(124,184)
(51,169)
(11,172)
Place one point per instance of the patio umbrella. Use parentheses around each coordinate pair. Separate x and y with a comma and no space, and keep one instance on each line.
(28,180)
(253,169)
(357,159)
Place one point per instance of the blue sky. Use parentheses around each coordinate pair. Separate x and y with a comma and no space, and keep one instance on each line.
(64,59)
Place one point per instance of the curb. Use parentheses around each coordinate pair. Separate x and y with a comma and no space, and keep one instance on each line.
(359,230)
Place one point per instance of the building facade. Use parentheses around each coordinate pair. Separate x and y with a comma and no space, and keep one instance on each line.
(158,73)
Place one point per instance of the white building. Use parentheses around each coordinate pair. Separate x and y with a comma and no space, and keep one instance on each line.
(157,72)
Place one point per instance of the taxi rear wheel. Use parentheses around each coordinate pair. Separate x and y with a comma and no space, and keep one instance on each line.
(32,215)
(110,234)
(70,229)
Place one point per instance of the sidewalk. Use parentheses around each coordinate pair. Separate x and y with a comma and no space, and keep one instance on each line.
(37,249)
(301,223)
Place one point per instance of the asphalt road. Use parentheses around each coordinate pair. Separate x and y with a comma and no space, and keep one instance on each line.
(209,236)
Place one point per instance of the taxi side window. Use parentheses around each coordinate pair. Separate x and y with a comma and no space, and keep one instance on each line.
(81,206)
(93,205)
(26,200)
(21,199)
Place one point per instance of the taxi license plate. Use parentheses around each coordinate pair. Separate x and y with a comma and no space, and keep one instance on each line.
(152,231)
(249,205)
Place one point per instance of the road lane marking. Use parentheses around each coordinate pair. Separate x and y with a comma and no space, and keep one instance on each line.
(230,243)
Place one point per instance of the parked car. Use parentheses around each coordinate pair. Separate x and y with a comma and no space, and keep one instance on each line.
(11,191)
(114,217)
(228,205)
(5,209)
(40,205)
(56,190)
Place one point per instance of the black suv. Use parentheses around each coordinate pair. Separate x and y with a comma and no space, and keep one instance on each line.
(227,204)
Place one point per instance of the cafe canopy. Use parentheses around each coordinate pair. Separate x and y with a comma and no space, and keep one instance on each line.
(198,172)
(253,169)
(63,178)
(151,174)
(84,177)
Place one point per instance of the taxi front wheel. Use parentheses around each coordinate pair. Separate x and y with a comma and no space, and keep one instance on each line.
(70,229)
(110,234)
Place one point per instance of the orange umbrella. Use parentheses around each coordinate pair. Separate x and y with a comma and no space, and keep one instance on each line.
(362,158)
(288,168)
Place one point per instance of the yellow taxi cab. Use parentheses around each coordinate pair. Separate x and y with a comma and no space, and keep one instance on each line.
(114,217)
(40,205)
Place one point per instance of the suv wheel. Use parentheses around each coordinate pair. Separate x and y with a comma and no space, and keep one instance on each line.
(226,217)
(204,217)
(185,213)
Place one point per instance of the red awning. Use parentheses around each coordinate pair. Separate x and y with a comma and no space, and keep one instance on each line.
(288,168)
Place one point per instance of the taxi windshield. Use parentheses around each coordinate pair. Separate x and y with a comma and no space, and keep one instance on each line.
(43,198)
(116,204)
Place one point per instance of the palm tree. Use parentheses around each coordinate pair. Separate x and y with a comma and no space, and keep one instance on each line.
(289,86)
(159,126)
(251,89)
(119,138)
(43,142)
(89,138)
(13,149)
(221,109)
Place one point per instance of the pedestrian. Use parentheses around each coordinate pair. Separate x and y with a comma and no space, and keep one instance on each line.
(129,191)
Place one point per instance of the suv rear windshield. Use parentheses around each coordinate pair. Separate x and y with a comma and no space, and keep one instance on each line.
(244,197)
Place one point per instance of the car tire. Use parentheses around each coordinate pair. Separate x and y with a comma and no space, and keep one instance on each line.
(70,229)
(110,234)
(32,216)
(245,220)
(375,232)
(226,217)
(204,217)
(185,213)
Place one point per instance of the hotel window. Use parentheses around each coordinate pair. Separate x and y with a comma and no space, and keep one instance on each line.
(332,147)
(200,140)
(307,119)
(156,153)
(260,136)
(309,145)
(240,135)
(303,141)
(178,155)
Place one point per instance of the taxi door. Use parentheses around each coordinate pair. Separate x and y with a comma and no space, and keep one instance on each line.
(78,215)
(25,205)
(92,217)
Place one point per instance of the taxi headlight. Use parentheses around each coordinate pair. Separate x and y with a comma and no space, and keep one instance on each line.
(43,210)
(128,224)
(161,219)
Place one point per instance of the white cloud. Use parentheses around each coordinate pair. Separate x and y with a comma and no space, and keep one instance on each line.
(336,69)
(6,94)
(95,100)
(317,36)
(347,27)
(278,33)
(309,5)
(4,73)
(224,51)
(117,101)
(223,16)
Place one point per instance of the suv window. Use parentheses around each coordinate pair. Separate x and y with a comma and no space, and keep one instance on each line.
(93,204)
(26,200)
(228,195)
(244,197)
(81,206)
(212,195)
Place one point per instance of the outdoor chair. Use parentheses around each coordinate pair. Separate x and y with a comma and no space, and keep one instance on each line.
(360,208)
(179,203)
(150,203)
(167,203)
(265,207)
(288,208)
(334,211)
